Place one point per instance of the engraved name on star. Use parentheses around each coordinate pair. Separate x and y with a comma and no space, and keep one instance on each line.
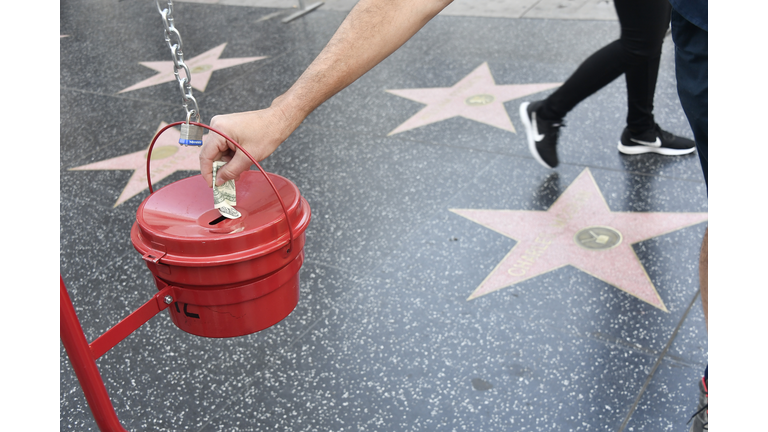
(476,97)
(201,68)
(579,230)
(167,158)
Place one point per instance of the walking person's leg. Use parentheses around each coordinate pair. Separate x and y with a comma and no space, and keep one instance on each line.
(637,52)
(643,29)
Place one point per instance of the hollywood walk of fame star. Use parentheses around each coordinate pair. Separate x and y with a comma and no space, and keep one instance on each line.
(167,158)
(579,230)
(201,68)
(475,97)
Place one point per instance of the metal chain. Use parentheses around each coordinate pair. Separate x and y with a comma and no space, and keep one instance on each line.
(173,39)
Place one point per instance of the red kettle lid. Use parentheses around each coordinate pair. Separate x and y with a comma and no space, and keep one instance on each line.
(180,220)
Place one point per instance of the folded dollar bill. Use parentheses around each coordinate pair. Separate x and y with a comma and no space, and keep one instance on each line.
(224,196)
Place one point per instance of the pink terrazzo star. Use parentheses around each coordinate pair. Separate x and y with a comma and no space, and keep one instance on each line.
(167,158)
(476,97)
(579,230)
(201,68)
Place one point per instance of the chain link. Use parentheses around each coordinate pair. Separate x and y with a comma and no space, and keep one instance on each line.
(173,39)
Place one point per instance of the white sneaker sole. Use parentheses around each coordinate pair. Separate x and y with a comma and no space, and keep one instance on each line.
(641,149)
(529,132)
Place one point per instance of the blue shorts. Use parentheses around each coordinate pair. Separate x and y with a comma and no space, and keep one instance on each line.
(692,80)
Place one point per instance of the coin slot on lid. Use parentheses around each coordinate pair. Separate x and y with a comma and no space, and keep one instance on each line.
(218,220)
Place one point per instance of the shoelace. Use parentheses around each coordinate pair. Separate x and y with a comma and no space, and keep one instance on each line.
(554,125)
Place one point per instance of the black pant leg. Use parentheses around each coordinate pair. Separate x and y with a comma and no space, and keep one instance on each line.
(637,52)
(644,25)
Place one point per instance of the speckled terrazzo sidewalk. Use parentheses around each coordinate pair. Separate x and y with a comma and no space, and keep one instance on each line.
(399,327)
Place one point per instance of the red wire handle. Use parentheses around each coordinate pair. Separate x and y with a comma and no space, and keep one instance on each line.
(239,147)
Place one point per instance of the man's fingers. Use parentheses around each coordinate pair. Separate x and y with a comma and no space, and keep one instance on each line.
(233,168)
(250,131)
(206,169)
(214,148)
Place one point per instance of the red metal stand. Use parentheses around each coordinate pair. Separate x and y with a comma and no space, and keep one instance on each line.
(83,355)
(84,364)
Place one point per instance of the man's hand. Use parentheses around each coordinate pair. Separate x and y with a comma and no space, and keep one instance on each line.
(258,132)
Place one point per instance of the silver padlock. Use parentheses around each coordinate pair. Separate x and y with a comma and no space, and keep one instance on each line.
(191,135)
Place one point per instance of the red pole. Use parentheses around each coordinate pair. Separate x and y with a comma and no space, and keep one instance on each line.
(85,367)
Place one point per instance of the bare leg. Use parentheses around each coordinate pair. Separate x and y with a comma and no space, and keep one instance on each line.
(703,276)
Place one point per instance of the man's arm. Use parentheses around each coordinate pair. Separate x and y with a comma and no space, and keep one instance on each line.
(373,30)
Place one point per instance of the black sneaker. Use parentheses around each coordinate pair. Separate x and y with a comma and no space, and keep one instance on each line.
(542,134)
(655,140)
(701,417)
